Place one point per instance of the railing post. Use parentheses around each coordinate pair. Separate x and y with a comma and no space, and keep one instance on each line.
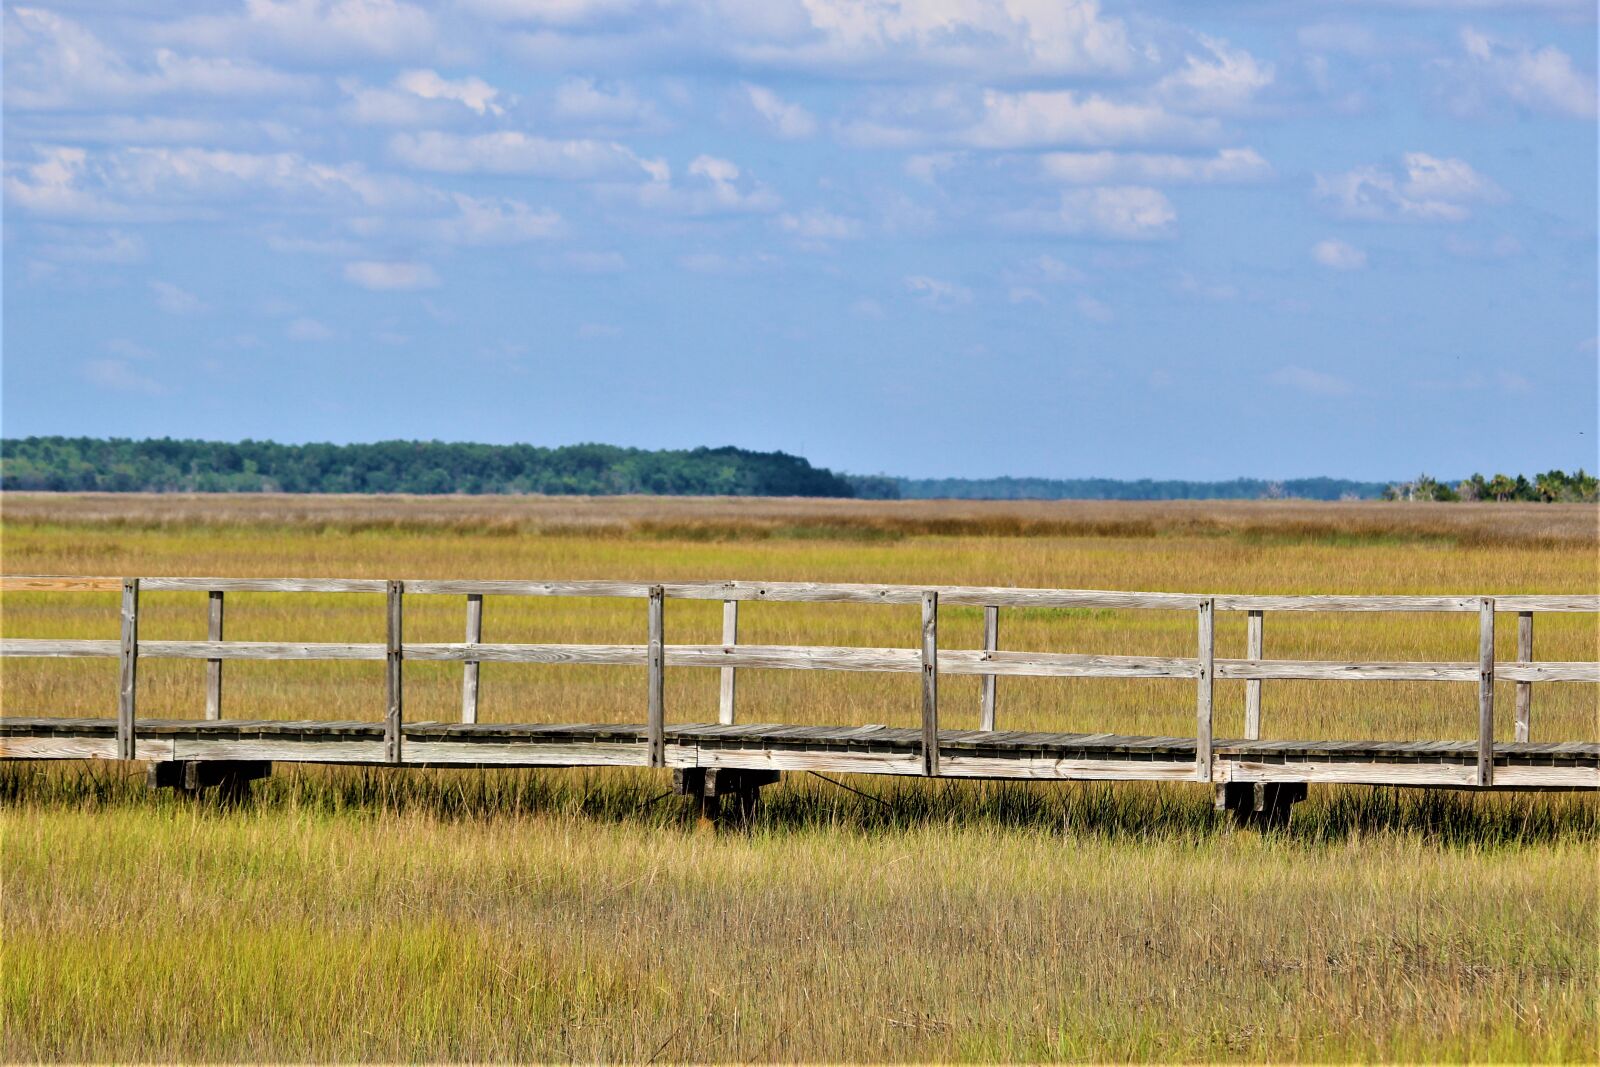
(128,678)
(469,668)
(394,646)
(730,636)
(1206,617)
(930,683)
(214,666)
(1524,689)
(656,659)
(991,642)
(1486,691)
(1254,649)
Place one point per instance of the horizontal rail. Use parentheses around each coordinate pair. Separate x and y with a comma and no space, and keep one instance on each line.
(819,657)
(817,592)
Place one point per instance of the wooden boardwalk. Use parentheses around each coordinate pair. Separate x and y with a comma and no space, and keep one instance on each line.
(747,755)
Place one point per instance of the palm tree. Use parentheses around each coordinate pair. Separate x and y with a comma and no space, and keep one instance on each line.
(1501,487)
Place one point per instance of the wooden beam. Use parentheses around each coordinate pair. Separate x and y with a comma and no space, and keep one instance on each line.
(991,641)
(1206,620)
(730,637)
(1486,692)
(1524,689)
(1254,625)
(469,671)
(930,683)
(657,663)
(58,583)
(128,676)
(214,666)
(394,720)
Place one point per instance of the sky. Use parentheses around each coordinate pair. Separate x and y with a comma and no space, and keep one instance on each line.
(964,238)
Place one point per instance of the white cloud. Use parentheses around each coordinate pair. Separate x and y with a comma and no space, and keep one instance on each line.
(382,276)
(475,94)
(1094,310)
(784,119)
(819,226)
(120,376)
(313,30)
(1127,212)
(1039,119)
(587,102)
(1543,79)
(552,12)
(304,329)
(928,166)
(53,62)
(75,245)
(494,221)
(176,301)
(1225,79)
(1338,255)
(713,186)
(1099,168)
(1430,190)
(937,293)
(511,152)
(1314,382)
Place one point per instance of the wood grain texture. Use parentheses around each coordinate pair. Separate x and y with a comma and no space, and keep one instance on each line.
(260,650)
(266,585)
(1323,670)
(214,619)
(1548,671)
(394,674)
(1486,692)
(1205,616)
(991,643)
(930,683)
(657,664)
(128,672)
(1255,626)
(1524,688)
(469,672)
(58,648)
(730,637)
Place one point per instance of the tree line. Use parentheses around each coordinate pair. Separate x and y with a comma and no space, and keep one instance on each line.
(169,466)
(1552,486)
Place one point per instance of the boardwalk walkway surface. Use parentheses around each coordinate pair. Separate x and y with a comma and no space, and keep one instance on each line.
(747,755)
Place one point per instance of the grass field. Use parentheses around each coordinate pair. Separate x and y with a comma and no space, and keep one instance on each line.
(576,915)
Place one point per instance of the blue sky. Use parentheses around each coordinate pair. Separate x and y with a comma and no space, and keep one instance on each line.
(961,237)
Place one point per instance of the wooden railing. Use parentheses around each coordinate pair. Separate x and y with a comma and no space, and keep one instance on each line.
(931,661)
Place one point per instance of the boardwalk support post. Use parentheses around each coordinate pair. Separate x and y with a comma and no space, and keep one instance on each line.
(730,637)
(231,778)
(1524,689)
(1486,692)
(710,786)
(1260,805)
(656,727)
(469,669)
(1254,649)
(128,678)
(991,642)
(1205,684)
(930,683)
(394,645)
(214,666)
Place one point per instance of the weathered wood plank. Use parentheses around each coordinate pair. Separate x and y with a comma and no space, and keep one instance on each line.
(1344,602)
(1524,688)
(930,683)
(260,650)
(266,585)
(1323,670)
(657,666)
(1564,602)
(58,583)
(394,719)
(214,614)
(128,675)
(1206,625)
(57,647)
(730,637)
(1486,692)
(1548,670)
(1255,624)
(991,643)
(469,672)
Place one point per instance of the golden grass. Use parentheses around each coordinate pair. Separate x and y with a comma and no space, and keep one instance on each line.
(364,915)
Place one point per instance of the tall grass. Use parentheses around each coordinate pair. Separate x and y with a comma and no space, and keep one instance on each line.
(382,914)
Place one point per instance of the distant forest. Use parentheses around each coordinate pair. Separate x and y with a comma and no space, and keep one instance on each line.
(179,466)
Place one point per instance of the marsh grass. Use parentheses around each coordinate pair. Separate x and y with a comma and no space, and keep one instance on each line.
(383,914)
